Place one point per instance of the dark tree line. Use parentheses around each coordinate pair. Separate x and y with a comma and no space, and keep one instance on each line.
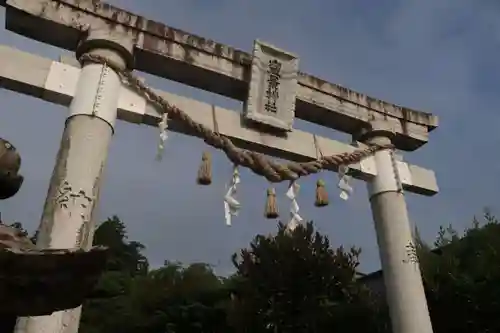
(290,282)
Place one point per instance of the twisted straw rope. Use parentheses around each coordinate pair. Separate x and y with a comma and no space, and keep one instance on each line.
(260,164)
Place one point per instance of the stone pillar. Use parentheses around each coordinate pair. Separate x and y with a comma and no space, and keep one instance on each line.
(69,214)
(403,282)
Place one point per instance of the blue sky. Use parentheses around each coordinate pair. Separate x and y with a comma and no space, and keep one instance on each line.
(439,56)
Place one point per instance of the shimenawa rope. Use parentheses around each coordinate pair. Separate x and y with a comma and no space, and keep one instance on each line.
(260,164)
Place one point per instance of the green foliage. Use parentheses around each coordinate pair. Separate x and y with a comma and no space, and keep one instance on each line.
(182,299)
(131,298)
(125,255)
(295,282)
(290,282)
(107,311)
(461,278)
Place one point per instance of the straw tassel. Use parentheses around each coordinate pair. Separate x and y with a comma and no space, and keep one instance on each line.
(271,211)
(205,170)
(321,194)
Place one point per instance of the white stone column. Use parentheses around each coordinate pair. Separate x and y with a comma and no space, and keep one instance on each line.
(403,282)
(68,219)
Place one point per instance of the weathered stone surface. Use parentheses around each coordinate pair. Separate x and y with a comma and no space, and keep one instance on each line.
(273,86)
(203,63)
(55,82)
(39,282)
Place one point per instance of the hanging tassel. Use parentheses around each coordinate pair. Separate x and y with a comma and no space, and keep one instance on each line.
(205,170)
(271,211)
(321,194)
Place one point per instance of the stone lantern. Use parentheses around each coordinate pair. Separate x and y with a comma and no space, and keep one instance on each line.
(10,162)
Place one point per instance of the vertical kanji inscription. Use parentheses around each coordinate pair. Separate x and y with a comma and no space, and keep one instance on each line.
(273,82)
(76,201)
(273,87)
(411,253)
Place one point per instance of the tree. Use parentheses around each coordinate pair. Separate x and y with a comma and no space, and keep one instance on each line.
(461,278)
(107,311)
(295,282)
(125,255)
(175,298)
(172,298)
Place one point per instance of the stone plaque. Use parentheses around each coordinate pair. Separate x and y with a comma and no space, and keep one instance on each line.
(273,87)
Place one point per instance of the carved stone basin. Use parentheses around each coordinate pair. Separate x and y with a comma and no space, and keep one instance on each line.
(39,282)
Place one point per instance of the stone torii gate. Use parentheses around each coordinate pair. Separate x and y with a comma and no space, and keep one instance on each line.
(96,97)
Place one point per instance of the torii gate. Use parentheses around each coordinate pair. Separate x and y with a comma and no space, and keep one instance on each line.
(110,42)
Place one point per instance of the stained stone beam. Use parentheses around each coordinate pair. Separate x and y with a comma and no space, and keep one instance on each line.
(55,82)
(205,64)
